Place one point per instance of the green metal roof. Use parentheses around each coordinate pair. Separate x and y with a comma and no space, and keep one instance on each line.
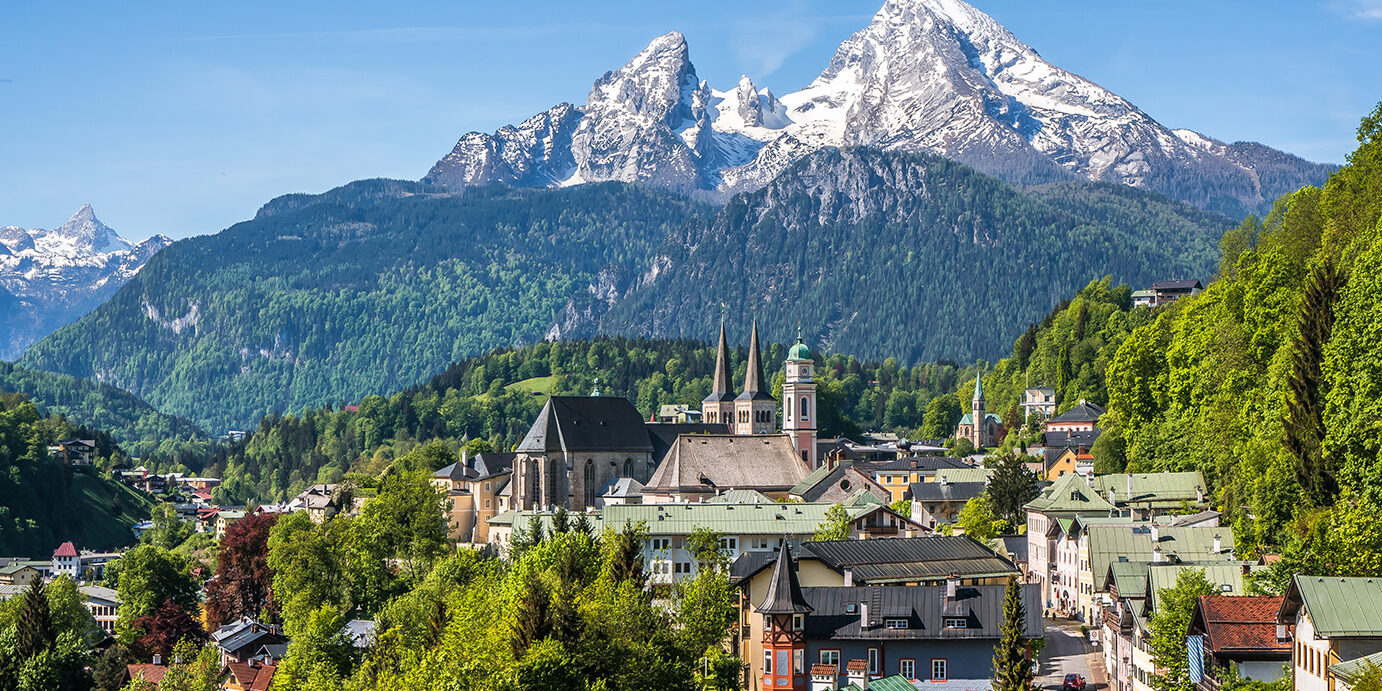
(771,518)
(1162,576)
(1340,607)
(1349,668)
(1130,577)
(964,474)
(896,682)
(1069,494)
(1153,488)
(816,476)
(1109,543)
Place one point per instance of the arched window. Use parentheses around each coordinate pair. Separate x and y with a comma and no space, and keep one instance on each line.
(588,482)
(628,467)
(805,408)
(787,409)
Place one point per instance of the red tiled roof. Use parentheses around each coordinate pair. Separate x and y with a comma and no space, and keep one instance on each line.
(66,549)
(856,664)
(820,668)
(1242,623)
(150,673)
(1270,559)
(253,676)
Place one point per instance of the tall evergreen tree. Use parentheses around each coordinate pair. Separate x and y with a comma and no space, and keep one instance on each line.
(1012,671)
(34,629)
(626,562)
(1011,487)
(1305,411)
(533,620)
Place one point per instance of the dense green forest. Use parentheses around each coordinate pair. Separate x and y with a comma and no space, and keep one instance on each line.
(372,287)
(496,396)
(885,254)
(1269,382)
(132,422)
(45,501)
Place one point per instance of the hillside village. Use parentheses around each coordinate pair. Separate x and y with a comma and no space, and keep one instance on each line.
(854,563)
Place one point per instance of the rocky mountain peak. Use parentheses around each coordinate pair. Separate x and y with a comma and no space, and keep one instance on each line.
(83,233)
(657,83)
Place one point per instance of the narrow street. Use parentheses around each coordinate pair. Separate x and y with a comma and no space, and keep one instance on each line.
(1066,651)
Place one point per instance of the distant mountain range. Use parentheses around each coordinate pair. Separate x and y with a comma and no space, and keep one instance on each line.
(934,76)
(52,277)
(377,285)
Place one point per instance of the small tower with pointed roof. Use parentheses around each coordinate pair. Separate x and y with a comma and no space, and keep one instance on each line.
(755,410)
(718,407)
(799,401)
(784,610)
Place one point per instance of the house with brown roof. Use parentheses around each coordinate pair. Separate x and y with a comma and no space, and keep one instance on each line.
(1240,630)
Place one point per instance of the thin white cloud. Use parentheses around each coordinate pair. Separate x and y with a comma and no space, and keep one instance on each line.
(1360,9)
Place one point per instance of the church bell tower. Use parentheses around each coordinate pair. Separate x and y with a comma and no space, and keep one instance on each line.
(799,410)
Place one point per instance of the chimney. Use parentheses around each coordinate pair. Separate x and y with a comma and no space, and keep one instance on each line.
(465,456)
(1281,631)
(1112,497)
(858,673)
(1156,531)
(1157,558)
(1218,544)
(1129,479)
(1199,494)
(849,577)
(951,585)
(863,616)
(823,677)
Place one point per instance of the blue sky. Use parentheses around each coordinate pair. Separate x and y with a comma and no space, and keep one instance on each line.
(180,118)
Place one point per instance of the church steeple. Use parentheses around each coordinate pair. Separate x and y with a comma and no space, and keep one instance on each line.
(753,377)
(784,611)
(755,410)
(718,407)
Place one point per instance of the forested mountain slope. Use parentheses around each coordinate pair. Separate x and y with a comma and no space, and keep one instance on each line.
(1269,382)
(372,287)
(44,502)
(130,420)
(494,397)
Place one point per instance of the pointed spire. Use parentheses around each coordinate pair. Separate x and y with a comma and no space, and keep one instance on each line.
(979,386)
(784,591)
(720,390)
(753,378)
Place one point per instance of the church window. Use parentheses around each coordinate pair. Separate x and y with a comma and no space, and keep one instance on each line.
(788,412)
(805,409)
(588,482)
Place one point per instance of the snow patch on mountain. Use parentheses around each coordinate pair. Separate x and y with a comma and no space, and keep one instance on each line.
(61,274)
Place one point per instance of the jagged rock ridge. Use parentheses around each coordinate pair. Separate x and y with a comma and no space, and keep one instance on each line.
(934,76)
(52,277)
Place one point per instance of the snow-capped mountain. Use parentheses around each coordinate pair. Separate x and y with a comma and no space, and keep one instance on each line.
(52,277)
(937,76)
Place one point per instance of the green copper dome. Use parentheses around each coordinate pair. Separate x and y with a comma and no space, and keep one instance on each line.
(799,352)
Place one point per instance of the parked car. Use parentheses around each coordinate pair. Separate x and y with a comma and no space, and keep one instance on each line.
(1073,682)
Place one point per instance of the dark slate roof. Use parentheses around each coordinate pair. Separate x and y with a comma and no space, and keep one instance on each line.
(252,637)
(479,467)
(922,463)
(784,592)
(1084,411)
(1062,440)
(925,608)
(946,491)
(1016,546)
(753,377)
(587,423)
(720,390)
(1184,284)
(892,560)
(664,435)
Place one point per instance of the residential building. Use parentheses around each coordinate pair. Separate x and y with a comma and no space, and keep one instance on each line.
(252,675)
(472,488)
(74,451)
(244,639)
(1144,542)
(935,503)
(837,481)
(225,519)
(1039,401)
(1067,497)
(1083,417)
(624,490)
(755,527)
(1336,620)
(104,605)
(929,633)
(979,427)
(1167,292)
(1148,494)
(1144,298)
(1069,460)
(899,475)
(67,561)
(894,561)
(18,574)
(1242,631)
(699,466)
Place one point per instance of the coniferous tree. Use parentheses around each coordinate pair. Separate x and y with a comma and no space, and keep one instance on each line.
(35,627)
(533,620)
(1012,671)
(627,558)
(1011,487)
(1305,413)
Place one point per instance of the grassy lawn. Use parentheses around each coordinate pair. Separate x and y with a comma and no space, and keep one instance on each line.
(536,385)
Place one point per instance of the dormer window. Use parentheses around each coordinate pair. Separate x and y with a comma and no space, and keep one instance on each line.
(895,624)
(956,623)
